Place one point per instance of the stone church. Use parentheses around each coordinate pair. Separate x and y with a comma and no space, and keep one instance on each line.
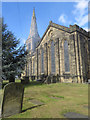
(62,51)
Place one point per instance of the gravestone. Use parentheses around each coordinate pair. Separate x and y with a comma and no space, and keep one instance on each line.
(57,78)
(53,79)
(25,80)
(0,96)
(33,78)
(12,99)
(48,79)
(75,115)
(36,102)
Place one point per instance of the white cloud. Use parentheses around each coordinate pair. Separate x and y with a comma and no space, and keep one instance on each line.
(83,21)
(62,18)
(23,41)
(81,13)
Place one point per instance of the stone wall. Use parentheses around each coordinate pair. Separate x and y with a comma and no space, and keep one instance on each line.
(78,52)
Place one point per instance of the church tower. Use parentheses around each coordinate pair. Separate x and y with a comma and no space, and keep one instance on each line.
(33,37)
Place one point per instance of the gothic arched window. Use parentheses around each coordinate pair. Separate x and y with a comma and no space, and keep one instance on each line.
(52,57)
(42,61)
(29,67)
(34,66)
(66,56)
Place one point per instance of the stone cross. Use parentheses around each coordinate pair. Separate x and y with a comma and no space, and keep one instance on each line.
(12,99)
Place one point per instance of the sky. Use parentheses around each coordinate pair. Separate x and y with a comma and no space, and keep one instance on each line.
(17,16)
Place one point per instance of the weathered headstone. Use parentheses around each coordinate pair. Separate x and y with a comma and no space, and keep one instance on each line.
(57,78)
(1,95)
(25,80)
(12,99)
(75,115)
(32,78)
(36,102)
(48,79)
(53,79)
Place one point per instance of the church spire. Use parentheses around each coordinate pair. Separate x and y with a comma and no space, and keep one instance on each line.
(33,37)
(33,28)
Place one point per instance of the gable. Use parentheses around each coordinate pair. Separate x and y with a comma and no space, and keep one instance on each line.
(52,33)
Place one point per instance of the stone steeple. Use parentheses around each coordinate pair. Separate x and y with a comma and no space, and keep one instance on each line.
(33,37)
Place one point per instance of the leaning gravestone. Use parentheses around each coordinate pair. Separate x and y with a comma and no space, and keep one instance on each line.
(12,99)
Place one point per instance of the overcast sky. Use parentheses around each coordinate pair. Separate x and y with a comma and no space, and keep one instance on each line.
(17,15)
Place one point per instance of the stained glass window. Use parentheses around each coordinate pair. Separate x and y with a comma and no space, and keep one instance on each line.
(34,66)
(66,56)
(42,61)
(29,69)
(52,57)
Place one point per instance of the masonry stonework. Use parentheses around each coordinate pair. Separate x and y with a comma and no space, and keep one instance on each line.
(77,54)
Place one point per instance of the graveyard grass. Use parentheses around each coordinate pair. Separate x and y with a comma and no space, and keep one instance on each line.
(72,97)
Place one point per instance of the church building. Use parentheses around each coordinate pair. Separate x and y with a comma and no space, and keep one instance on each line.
(62,51)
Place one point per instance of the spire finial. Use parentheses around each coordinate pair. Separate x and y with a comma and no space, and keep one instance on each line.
(34,12)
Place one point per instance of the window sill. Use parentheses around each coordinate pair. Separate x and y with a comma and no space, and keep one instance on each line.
(66,73)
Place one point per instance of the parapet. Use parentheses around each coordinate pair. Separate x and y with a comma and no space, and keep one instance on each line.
(79,29)
(69,29)
(59,26)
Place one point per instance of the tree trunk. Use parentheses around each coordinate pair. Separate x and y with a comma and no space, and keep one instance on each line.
(12,79)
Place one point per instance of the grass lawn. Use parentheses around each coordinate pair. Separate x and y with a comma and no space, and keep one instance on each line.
(72,97)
